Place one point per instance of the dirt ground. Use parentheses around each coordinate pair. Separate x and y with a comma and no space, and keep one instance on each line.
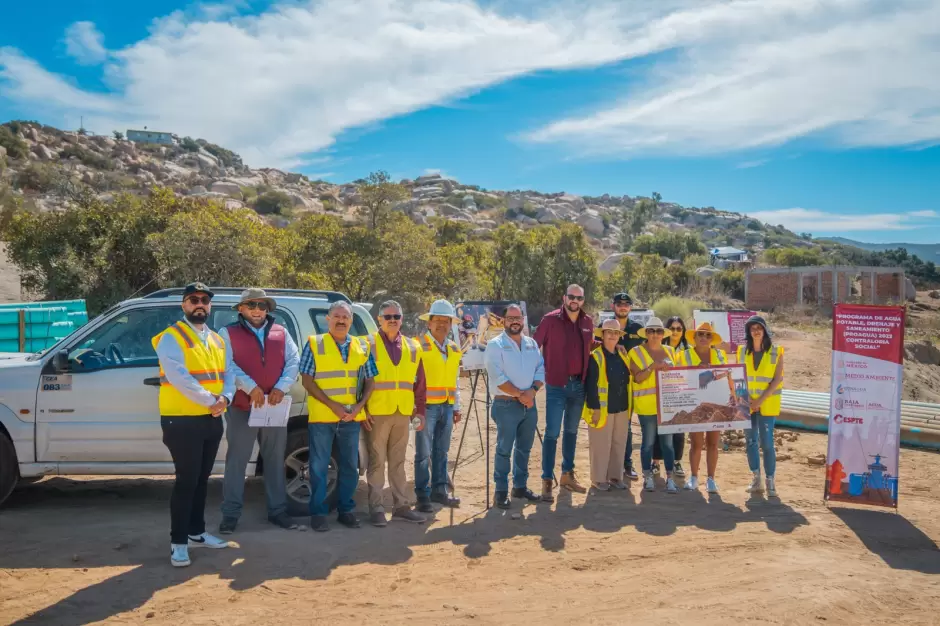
(79,552)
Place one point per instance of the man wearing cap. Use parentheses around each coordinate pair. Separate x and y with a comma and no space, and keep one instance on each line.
(566,337)
(622,304)
(264,360)
(331,368)
(195,389)
(440,358)
(399,395)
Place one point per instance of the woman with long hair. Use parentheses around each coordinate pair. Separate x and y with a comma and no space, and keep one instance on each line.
(764,363)
(675,339)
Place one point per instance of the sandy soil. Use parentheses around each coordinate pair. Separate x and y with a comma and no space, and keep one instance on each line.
(78,552)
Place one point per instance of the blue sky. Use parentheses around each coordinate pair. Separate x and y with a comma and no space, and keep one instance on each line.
(822,115)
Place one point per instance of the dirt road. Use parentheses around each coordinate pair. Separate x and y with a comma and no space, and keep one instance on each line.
(76,552)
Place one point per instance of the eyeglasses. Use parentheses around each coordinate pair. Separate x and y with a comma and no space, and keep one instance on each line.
(199,299)
(391,316)
(676,329)
(252,305)
(655,331)
(571,296)
(704,333)
(513,318)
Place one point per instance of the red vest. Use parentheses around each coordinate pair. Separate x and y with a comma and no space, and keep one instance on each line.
(263,366)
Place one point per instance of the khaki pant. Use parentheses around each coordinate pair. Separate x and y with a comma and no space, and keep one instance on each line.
(388,443)
(608,445)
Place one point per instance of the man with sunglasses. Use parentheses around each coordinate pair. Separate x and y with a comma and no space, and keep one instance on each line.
(399,395)
(622,304)
(265,361)
(195,389)
(566,338)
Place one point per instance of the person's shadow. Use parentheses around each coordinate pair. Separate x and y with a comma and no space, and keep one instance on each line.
(899,543)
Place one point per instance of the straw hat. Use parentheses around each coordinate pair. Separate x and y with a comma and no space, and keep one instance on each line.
(608,325)
(653,322)
(704,327)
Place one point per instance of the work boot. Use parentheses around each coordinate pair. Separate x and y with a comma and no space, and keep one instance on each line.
(424,506)
(319,524)
(227,527)
(756,486)
(525,493)
(502,499)
(569,482)
(771,487)
(446,498)
(547,486)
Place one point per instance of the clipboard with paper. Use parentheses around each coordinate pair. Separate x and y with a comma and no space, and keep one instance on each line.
(268,415)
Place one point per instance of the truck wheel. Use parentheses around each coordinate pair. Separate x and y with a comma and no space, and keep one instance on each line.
(9,469)
(297,474)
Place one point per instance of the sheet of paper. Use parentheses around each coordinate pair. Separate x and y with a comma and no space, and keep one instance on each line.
(270,415)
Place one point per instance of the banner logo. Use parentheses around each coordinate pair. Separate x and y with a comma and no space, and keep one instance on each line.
(844,419)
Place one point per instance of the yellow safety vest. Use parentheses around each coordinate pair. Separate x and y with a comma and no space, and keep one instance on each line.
(336,377)
(588,414)
(758,380)
(441,374)
(689,357)
(644,394)
(204,363)
(395,384)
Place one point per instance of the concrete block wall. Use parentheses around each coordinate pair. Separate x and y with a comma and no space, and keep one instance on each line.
(821,286)
(765,291)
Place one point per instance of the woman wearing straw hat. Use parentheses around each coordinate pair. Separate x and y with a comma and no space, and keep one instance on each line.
(705,341)
(607,407)
(645,360)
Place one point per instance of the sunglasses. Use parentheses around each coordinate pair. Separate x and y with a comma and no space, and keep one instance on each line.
(676,329)
(391,316)
(574,297)
(704,333)
(256,305)
(199,299)
(655,331)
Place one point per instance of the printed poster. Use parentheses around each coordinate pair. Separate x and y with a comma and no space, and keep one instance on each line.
(640,316)
(480,321)
(728,324)
(865,405)
(703,399)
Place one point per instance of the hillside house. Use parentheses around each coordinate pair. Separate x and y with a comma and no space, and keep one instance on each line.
(151,136)
(727,256)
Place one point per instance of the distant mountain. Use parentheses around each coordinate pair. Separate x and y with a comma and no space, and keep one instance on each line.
(926,251)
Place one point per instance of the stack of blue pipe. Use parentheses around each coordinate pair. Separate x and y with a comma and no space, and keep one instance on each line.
(45,324)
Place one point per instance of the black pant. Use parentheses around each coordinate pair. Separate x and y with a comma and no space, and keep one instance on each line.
(678,443)
(193,441)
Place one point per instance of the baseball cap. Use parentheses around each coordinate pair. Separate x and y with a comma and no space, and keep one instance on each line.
(197,287)
(622,298)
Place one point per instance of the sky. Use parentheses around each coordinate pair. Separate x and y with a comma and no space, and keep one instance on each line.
(821,115)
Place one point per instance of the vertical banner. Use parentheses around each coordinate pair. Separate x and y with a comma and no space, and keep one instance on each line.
(865,405)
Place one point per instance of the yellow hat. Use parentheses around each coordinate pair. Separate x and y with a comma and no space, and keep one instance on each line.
(704,327)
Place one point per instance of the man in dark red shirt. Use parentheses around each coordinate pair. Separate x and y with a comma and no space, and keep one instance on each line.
(566,336)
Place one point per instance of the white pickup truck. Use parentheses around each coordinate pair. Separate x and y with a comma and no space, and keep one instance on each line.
(61,416)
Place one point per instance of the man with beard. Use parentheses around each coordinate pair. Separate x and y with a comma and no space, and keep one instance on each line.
(622,304)
(566,337)
(195,390)
(516,372)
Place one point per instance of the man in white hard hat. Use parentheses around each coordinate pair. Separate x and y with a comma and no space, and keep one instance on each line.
(440,357)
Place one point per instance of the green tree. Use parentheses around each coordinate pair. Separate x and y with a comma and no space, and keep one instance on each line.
(652,279)
(636,219)
(669,244)
(273,202)
(118,135)
(378,195)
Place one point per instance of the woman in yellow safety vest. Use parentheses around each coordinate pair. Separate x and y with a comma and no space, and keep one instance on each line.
(645,360)
(706,342)
(764,363)
(607,407)
(675,339)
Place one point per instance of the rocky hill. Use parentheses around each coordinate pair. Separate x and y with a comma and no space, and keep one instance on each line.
(44,165)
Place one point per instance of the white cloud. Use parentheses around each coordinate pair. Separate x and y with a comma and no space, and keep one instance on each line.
(85,43)
(760,73)
(749,164)
(811,220)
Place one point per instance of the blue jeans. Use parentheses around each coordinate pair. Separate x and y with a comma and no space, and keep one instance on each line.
(321,436)
(431,446)
(515,431)
(761,434)
(562,405)
(649,425)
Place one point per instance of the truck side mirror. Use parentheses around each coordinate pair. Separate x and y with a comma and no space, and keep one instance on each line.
(61,361)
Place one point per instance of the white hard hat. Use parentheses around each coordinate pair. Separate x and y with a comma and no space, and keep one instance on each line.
(442,308)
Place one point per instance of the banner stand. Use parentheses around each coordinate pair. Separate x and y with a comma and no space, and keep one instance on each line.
(473,407)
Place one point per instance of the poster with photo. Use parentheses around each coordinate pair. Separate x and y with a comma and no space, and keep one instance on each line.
(728,324)
(480,321)
(640,316)
(702,399)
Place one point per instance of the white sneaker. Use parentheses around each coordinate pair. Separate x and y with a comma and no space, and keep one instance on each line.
(648,483)
(711,486)
(671,486)
(691,484)
(205,540)
(179,555)
(756,486)
(771,487)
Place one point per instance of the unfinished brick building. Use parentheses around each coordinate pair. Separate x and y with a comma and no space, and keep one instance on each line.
(822,286)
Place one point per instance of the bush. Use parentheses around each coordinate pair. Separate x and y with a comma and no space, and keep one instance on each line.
(668,306)
(16,147)
(273,202)
(730,282)
(36,177)
(224,155)
(87,157)
(189,144)
(672,245)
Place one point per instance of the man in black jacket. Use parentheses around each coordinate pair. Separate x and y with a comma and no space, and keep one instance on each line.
(622,304)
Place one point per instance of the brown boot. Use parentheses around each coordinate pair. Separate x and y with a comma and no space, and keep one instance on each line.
(569,482)
(547,485)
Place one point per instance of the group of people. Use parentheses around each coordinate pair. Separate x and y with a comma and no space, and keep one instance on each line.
(388,383)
